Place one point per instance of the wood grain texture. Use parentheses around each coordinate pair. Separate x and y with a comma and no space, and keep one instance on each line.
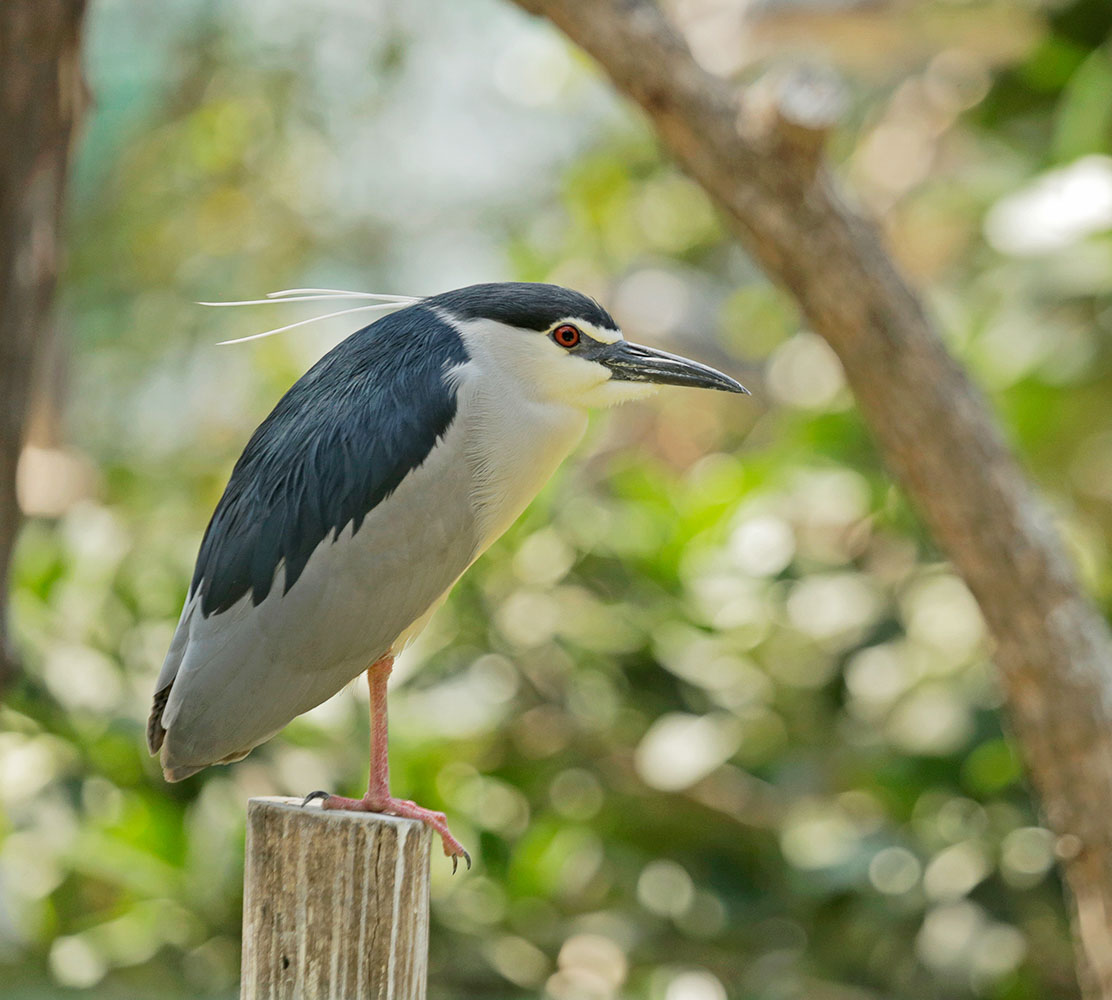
(336,904)
(761,162)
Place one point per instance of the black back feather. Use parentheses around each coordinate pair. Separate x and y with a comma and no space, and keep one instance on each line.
(336,445)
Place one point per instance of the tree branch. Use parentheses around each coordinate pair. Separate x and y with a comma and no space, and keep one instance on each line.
(1053,649)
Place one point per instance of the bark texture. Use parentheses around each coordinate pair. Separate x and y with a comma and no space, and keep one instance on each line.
(41,98)
(760,160)
(336,904)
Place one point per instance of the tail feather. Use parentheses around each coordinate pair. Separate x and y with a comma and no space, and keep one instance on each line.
(173,770)
(181,773)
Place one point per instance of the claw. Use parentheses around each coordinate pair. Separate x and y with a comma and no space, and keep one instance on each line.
(397,807)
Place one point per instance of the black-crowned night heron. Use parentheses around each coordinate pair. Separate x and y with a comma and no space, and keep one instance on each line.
(378,479)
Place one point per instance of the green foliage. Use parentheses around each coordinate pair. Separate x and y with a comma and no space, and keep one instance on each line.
(714,717)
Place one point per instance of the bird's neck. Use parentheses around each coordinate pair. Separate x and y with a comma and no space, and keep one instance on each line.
(514,445)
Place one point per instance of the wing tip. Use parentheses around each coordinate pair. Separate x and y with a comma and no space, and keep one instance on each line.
(156,732)
(156,740)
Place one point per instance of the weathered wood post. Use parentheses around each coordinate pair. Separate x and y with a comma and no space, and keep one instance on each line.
(336,904)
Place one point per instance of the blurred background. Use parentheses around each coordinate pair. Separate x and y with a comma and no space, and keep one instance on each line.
(714,718)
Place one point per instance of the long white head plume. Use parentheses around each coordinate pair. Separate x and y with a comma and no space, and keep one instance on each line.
(340,293)
(379,303)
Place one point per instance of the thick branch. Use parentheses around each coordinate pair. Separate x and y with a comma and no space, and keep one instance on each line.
(41,96)
(1053,649)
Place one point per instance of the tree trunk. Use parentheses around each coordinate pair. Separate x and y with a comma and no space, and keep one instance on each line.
(41,98)
(761,162)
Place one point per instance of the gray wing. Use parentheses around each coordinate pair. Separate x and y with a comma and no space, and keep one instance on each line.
(342,527)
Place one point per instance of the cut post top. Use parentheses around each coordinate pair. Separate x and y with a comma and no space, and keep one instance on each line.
(284,804)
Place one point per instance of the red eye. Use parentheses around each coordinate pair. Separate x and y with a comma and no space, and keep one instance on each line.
(566,336)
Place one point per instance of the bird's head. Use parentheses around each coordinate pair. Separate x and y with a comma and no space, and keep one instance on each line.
(562,346)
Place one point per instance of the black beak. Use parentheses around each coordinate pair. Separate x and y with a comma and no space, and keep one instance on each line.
(634,363)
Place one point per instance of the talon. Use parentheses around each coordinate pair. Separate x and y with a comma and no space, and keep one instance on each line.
(406,810)
(318,794)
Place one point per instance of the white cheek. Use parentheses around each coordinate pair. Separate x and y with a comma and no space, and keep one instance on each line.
(589,384)
(612,392)
(570,379)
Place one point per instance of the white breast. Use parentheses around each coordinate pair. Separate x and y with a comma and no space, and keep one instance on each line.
(514,445)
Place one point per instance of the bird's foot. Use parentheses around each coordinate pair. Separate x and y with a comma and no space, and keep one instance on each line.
(390,806)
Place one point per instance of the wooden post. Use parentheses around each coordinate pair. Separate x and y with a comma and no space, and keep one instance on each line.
(336,904)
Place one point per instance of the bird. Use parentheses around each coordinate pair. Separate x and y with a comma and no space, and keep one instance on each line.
(377,480)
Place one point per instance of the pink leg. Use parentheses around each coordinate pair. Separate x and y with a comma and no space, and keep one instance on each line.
(378,798)
(378,784)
